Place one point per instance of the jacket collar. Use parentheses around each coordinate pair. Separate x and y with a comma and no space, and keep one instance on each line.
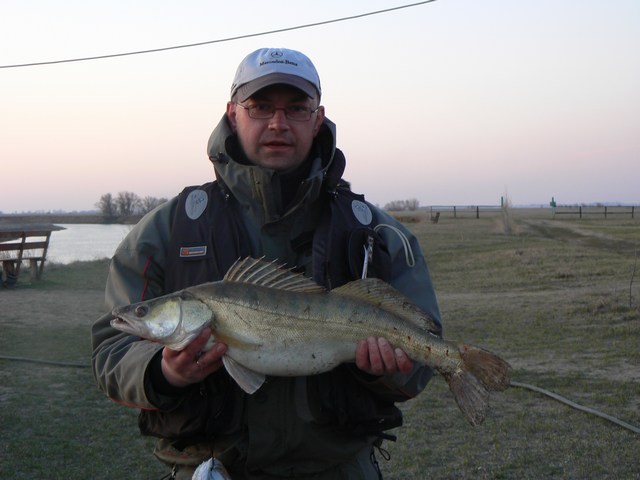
(247,182)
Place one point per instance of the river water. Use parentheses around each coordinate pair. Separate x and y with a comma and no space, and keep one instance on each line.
(85,242)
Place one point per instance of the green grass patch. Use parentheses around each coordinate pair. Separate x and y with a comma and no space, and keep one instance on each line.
(77,276)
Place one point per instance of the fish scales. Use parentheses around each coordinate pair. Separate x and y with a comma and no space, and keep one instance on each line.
(285,333)
(279,323)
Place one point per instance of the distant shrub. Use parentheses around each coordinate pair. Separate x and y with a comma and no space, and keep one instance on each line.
(407,218)
(400,205)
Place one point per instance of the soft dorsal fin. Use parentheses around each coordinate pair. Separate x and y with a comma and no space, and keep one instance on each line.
(382,295)
(267,274)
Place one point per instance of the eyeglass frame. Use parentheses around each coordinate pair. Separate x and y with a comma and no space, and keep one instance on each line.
(251,108)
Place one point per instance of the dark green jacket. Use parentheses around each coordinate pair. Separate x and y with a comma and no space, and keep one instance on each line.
(284,427)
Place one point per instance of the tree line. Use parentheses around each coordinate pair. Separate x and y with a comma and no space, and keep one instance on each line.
(126,204)
(401,205)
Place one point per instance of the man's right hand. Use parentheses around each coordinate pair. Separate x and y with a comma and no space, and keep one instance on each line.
(192,365)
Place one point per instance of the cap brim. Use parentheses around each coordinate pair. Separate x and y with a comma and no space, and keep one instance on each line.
(248,89)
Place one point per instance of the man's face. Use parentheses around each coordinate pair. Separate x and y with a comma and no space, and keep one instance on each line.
(278,142)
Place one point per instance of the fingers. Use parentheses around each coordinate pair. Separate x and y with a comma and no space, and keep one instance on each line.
(194,349)
(362,356)
(210,361)
(404,363)
(378,357)
(191,365)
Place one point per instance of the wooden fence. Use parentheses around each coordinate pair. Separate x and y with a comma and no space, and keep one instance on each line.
(599,210)
(463,211)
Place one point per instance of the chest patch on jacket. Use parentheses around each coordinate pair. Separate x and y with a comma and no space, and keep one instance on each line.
(187,252)
(196,203)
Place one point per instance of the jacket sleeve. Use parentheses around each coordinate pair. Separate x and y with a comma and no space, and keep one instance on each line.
(409,275)
(120,361)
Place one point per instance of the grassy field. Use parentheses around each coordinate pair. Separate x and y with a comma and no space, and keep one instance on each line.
(558,298)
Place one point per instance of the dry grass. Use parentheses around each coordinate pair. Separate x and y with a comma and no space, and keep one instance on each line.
(553,297)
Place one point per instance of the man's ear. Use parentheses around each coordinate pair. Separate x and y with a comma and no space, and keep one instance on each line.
(319,120)
(232,108)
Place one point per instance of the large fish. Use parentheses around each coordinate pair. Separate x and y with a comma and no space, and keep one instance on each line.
(280,323)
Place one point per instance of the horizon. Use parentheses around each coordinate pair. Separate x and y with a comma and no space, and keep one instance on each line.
(97,212)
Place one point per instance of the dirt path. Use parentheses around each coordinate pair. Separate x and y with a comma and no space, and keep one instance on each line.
(565,232)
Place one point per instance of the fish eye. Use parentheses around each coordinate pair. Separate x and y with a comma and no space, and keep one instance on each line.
(141,310)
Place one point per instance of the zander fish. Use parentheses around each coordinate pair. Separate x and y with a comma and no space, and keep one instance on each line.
(280,323)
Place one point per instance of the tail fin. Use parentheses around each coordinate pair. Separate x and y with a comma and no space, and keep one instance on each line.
(471,396)
(480,373)
(491,370)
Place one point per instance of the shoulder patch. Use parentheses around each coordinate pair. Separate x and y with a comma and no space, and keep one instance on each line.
(362,212)
(196,203)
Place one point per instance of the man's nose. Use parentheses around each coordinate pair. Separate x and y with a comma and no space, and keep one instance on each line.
(279,120)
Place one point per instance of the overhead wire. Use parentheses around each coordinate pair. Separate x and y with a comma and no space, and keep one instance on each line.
(270,32)
(221,40)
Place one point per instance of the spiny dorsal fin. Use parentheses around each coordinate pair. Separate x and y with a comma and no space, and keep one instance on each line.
(267,274)
(385,297)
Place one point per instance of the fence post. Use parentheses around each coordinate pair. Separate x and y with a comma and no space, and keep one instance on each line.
(477,211)
(580,207)
(605,211)
(454,211)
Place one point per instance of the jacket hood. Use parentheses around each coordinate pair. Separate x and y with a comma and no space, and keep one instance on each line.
(248,182)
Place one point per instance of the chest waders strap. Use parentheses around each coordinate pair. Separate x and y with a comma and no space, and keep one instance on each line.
(344,237)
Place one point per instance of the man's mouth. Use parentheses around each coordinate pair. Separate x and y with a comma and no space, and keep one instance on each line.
(277,145)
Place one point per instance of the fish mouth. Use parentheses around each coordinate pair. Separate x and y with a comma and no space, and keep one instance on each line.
(122,324)
(118,321)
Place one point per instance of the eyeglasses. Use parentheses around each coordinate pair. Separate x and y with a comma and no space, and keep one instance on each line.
(263,111)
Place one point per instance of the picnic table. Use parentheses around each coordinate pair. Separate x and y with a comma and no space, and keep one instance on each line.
(18,245)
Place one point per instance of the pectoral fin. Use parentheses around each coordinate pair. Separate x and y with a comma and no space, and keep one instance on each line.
(248,380)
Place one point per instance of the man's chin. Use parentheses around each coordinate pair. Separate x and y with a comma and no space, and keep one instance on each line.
(279,164)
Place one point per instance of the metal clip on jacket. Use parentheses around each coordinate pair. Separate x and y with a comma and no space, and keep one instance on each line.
(368,255)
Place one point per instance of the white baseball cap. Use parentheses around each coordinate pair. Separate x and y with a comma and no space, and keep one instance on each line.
(271,66)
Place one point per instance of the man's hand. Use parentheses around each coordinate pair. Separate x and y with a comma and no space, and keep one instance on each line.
(191,365)
(376,356)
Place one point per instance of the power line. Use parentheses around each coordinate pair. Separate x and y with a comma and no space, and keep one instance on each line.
(222,40)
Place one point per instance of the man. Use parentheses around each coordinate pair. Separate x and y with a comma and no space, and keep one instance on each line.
(278,194)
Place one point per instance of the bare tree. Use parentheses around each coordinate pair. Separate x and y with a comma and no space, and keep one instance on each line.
(127,203)
(412,204)
(395,206)
(149,203)
(400,205)
(107,205)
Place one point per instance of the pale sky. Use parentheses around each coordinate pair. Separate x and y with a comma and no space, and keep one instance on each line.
(455,102)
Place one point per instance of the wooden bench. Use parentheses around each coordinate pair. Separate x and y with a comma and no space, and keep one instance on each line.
(18,246)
